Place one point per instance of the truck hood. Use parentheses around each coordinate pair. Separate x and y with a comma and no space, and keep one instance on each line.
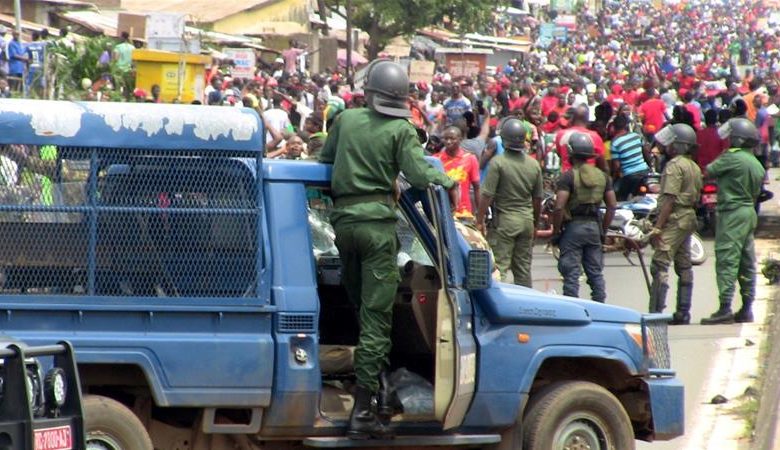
(506,303)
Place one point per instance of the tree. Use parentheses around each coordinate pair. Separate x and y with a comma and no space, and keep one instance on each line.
(385,19)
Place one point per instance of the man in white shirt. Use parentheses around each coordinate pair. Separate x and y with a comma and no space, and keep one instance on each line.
(276,117)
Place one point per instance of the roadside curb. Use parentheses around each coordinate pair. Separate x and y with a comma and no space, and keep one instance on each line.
(767,427)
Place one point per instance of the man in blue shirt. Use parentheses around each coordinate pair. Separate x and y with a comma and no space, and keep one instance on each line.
(17,62)
(36,51)
(456,105)
(628,158)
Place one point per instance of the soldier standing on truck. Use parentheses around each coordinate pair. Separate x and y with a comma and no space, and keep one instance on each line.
(681,185)
(580,192)
(368,148)
(513,186)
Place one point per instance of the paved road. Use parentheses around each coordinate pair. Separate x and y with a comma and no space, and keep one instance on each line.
(694,347)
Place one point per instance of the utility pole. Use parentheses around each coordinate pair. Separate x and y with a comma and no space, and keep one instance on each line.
(349,45)
(18,15)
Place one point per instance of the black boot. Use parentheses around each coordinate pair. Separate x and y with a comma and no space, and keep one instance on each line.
(745,314)
(363,422)
(684,294)
(388,403)
(721,316)
(680,318)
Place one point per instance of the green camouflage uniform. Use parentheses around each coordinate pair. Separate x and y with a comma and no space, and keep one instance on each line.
(681,183)
(368,150)
(513,180)
(740,177)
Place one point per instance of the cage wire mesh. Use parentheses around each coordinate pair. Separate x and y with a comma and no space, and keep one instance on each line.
(128,222)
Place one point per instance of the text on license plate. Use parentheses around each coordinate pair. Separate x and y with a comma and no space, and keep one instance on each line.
(708,199)
(57,438)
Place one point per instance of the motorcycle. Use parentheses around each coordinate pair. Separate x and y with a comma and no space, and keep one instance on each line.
(705,213)
(634,220)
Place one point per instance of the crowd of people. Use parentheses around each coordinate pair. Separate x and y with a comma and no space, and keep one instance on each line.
(617,77)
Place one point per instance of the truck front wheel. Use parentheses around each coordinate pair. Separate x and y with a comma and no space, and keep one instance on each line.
(573,415)
(109,425)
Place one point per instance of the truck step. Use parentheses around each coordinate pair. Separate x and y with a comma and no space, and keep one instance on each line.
(403,441)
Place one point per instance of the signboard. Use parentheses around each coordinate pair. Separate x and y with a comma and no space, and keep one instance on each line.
(243,60)
(551,31)
(164,25)
(421,71)
(466,65)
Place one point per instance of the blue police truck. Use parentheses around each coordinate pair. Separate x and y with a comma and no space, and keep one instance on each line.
(200,287)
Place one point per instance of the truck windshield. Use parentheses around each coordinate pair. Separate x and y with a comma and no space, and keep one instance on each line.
(323,237)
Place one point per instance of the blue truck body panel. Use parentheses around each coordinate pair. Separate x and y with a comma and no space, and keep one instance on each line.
(229,314)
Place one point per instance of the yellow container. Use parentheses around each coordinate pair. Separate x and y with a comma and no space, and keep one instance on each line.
(181,76)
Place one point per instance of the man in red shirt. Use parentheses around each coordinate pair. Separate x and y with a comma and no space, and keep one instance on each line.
(462,167)
(550,100)
(652,113)
(578,120)
(710,143)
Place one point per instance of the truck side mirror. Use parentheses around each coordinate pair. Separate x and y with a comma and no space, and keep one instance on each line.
(478,271)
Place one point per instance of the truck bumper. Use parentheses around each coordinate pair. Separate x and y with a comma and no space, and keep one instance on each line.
(667,404)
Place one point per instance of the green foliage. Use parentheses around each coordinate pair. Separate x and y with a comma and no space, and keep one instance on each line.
(68,65)
(386,19)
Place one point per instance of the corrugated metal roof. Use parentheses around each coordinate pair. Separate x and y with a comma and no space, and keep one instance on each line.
(106,21)
(10,22)
(206,11)
(67,2)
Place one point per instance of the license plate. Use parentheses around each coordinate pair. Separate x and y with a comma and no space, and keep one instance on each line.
(57,438)
(708,199)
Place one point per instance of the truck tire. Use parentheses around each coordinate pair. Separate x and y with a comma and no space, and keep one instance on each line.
(110,425)
(576,414)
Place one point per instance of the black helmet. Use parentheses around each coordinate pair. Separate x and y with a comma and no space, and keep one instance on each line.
(387,88)
(580,145)
(681,137)
(513,134)
(741,132)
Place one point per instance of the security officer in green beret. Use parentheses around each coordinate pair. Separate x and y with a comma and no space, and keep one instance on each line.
(369,147)
(513,186)
(740,177)
(681,185)
(577,229)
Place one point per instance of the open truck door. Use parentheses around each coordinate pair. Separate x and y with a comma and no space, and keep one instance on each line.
(456,352)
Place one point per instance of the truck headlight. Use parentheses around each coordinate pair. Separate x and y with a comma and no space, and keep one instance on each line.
(33,388)
(55,387)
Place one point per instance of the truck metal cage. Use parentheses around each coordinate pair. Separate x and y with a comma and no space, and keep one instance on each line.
(130,215)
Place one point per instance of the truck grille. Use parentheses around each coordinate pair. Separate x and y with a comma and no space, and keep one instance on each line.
(296,323)
(657,343)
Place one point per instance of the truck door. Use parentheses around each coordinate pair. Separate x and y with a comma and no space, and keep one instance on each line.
(455,367)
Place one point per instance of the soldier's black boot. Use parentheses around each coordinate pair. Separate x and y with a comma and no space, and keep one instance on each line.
(363,422)
(745,314)
(680,318)
(388,403)
(721,316)
(683,316)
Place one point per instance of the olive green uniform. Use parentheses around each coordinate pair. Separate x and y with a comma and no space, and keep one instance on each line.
(681,183)
(368,150)
(740,177)
(513,180)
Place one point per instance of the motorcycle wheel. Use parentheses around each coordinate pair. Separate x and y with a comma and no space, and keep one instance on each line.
(698,253)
